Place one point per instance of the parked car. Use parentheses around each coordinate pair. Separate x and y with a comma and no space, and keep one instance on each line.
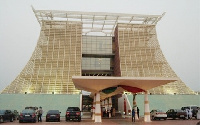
(27,115)
(73,113)
(6,115)
(158,114)
(176,113)
(194,109)
(53,115)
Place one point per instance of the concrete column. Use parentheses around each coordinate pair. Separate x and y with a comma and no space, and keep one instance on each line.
(98,109)
(124,106)
(110,106)
(106,104)
(146,108)
(81,100)
(135,106)
(93,108)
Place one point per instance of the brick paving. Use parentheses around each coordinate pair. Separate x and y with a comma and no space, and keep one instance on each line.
(120,121)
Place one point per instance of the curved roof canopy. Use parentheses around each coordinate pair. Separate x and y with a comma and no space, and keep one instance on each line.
(96,21)
(96,84)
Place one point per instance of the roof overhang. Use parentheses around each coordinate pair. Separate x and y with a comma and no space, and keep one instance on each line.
(96,84)
(96,21)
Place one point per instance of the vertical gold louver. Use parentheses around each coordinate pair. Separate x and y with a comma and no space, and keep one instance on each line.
(140,56)
(57,57)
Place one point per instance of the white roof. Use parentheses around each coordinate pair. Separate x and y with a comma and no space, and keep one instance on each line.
(96,21)
(97,83)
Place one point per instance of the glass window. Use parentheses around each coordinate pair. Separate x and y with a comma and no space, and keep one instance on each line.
(95,63)
(100,44)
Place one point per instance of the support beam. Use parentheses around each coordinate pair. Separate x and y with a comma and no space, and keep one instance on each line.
(135,106)
(98,109)
(81,101)
(146,108)
(109,106)
(93,108)
(106,104)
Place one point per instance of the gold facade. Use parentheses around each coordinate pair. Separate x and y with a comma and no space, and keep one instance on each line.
(140,56)
(135,52)
(57,57)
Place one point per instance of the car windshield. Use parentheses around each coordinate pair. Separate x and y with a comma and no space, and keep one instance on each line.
(2,111)
(53,111)
(159,111)
(28,111)
(33,108)
(73,109)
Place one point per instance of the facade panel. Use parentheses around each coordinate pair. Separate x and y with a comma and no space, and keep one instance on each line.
(140,56)
(57,57)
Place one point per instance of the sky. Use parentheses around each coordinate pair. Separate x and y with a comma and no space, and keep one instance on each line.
(178,31)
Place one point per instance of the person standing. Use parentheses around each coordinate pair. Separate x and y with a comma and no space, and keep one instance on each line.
(40,112)
(198,113)
(190,114)
(113,112)
(138,112)
(133,115)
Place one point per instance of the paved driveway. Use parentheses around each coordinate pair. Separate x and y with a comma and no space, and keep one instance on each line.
(121,121)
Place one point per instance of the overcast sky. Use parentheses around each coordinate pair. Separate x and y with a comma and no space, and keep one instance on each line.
(178,31)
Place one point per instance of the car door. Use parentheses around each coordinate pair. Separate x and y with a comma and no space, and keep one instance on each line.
(7,115)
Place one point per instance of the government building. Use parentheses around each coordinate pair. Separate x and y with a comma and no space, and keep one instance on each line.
(107,54)
(94,44)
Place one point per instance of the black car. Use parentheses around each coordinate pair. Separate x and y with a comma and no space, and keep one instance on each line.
(27,115)
(73,113)
(176,113)
(53,115)
(6,115)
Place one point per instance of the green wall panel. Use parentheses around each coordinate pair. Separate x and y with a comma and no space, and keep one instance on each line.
(46,101)
(165,102)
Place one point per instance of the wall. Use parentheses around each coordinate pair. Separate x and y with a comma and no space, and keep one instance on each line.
(46,101)
(165,102)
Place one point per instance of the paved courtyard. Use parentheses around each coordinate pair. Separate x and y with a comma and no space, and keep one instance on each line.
(121,121)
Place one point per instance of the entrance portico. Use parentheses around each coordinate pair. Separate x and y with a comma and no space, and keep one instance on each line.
(96,84)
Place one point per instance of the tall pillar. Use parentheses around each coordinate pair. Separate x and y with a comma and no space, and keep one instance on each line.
(110,106)
(146,108)
(106,104)
(93,107)
(98,109)
(81,102)
(124,106)
(135,106)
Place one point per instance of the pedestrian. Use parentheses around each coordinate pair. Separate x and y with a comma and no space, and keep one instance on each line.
(133,115)
(190,114)
(198,113)
(113,112)
(40,112)
(138,110)
(187,112)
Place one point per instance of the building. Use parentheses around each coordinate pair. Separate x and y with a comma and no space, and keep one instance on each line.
(94,44)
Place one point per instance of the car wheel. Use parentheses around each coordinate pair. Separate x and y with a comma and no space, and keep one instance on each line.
(1,120)
(11,119)
(20,121)
(34,121)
